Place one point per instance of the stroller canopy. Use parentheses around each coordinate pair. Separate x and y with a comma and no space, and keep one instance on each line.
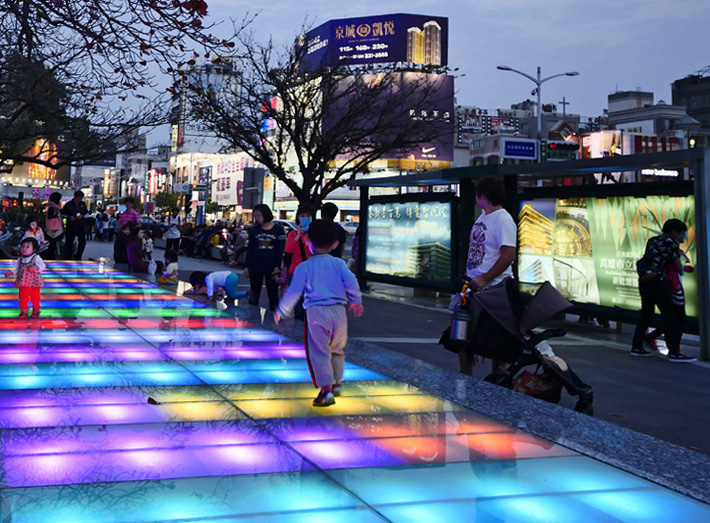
(546,304)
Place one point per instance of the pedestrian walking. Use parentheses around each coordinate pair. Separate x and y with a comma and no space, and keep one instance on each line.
(328,212)
(327,286)
(491,249)
(53,224)
(660,285)
(297,250)
(264,253)
(130,214)
(172,233)
(75,210)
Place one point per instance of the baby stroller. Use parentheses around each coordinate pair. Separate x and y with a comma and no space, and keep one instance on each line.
(501,329)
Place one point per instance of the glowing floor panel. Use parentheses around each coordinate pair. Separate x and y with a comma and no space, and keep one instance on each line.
(127,402)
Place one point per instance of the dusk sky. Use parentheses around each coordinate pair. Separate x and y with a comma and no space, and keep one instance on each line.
(615,46)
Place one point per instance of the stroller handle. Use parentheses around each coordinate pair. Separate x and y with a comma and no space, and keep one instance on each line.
(546,335)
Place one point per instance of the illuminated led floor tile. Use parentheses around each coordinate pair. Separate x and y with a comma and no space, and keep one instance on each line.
(78,415)
(235,353)
(249,391)
(344,406)
(98,379)
(59,337)
(274,376)
(382,426)
(61,368)
(150,464)
(55,313)
(250,365)
(80,353)
(299,496)
(65,439)
(408,451)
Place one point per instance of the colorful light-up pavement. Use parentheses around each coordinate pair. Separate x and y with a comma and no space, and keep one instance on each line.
(229,432)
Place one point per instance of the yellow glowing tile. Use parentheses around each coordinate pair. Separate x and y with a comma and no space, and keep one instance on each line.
(256,391)
(181,394)
(416,403)
(200,411)
(299,408)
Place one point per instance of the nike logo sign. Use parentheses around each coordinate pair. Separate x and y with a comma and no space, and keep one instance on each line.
(428,149)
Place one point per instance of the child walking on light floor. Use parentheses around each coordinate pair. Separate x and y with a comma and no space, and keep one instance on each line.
(28,277)
(327,286)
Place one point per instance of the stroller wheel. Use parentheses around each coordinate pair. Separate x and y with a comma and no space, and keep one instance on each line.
(502,380)
(584,407)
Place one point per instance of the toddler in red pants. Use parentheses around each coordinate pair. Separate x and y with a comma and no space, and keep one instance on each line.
(28,277)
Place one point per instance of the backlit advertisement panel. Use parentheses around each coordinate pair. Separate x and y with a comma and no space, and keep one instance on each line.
(377,39)
(408,98)
(410,240)
(588,247)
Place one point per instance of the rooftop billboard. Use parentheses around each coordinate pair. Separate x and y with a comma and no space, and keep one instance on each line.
(408,38)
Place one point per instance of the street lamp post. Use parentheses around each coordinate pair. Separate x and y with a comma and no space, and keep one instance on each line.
(538,82)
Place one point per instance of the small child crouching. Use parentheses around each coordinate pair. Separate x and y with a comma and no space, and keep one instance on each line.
(28,277)
(170,273)
(213,283)
(327,286)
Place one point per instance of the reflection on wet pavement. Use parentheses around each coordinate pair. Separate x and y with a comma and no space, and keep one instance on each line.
(128,402)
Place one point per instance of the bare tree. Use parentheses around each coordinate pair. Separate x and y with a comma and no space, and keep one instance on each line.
(316,128)
(77,75)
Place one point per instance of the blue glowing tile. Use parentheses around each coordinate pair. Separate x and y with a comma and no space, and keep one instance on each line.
(278,376)
(537,509)
(198,499)
(98,380)
(645,505)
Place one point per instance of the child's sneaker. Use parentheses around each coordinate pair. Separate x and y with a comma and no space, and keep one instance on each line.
(337,389)
(681,357)
(35,314)
(23,315)
(325,398)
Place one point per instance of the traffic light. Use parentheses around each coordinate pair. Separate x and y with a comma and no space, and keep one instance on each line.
(556,151)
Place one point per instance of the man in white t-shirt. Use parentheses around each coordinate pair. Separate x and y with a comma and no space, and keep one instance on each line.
(172,233)
(493,238)
(491,249)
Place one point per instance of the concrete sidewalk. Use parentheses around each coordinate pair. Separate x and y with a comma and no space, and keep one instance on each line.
(649,395)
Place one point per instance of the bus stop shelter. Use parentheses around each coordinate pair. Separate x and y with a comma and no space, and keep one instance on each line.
(661,186)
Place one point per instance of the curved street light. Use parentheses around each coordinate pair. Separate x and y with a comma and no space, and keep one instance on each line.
(538,82)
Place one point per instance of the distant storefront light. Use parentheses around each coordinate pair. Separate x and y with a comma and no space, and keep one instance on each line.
(660,172)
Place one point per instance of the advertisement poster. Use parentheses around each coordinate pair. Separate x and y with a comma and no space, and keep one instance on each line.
(407,98)
(410,240)
(588,247)
(377,39)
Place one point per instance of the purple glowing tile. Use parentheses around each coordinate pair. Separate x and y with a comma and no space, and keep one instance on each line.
(347,454)
(152,464)
(77,354)
(192,354)
(116,414)
(55,440)
(85,396)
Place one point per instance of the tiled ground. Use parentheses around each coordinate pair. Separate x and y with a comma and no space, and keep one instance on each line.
(126,402)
